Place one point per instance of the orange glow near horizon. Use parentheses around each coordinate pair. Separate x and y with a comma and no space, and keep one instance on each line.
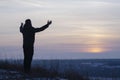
(95,50)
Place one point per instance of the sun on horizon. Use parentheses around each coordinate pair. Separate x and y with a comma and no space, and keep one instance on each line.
(95,50)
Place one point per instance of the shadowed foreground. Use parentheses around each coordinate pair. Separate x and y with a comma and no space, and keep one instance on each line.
(14,75)
(14,71)
(97,69)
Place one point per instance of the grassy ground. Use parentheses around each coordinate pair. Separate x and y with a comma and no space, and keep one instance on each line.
(39,72)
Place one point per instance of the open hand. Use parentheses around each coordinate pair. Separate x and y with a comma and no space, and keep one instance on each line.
(21,24)
(49,22)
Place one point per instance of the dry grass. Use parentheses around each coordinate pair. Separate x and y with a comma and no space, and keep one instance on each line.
(38,71)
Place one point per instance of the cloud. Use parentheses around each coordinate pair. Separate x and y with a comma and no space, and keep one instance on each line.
(15,6)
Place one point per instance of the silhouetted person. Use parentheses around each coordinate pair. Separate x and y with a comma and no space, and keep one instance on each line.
(28,32)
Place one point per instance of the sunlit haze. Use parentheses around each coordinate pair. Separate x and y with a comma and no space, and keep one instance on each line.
(81,29)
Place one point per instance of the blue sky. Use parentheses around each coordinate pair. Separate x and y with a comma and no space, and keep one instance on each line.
(81,28)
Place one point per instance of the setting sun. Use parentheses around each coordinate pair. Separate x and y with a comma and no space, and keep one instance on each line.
(95,50)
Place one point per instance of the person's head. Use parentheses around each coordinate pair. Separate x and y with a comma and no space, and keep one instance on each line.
(28,23)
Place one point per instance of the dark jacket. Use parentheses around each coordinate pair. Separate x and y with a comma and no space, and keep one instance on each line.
(29,34)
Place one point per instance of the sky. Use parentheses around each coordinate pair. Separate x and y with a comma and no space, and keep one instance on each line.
(81,29)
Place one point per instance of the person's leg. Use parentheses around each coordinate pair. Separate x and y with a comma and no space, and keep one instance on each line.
(28,54)
(29,58)
(25,49)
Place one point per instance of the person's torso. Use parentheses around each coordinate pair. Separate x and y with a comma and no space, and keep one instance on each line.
(28,36)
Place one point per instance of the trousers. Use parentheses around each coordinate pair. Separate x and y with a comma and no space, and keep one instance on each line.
(28,55)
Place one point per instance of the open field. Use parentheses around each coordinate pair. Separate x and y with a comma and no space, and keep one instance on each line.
(90,69)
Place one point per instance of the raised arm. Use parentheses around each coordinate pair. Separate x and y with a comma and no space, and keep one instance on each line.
(43,27)
(21,27)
